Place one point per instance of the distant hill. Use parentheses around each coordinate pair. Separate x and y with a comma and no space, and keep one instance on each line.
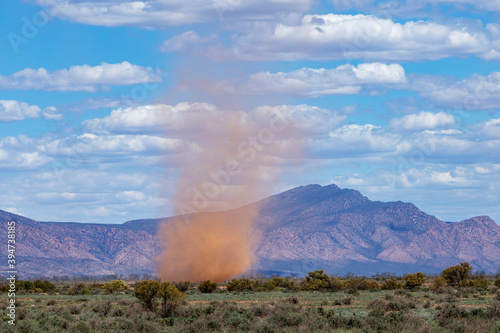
(305,228)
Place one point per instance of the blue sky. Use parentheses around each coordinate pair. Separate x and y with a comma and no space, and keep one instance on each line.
(99,100)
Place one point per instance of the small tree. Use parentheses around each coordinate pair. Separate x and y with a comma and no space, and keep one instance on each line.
(316,280)
(171,298)
(146,291)
(207,287)
(457,275)
(414,280)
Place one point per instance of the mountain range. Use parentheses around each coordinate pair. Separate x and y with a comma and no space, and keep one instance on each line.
(302,229)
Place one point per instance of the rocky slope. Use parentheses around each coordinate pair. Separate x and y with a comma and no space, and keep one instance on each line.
(309,227)
(339,229)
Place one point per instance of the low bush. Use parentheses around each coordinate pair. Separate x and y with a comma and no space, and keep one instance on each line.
(115,286)
(182,286)
(267,286)
(240,285)
(414,280)
(207,287)
(102,308)
(391,284)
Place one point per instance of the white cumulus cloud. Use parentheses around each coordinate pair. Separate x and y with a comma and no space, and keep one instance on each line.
(11,110)
(476,92)
(351,141)
(80,78)
(111,146)
(51,113)
(186,40)
(413,7)
(309,82)
(489,129)
(422,121)
(159,13)
(189,120)
(335,37)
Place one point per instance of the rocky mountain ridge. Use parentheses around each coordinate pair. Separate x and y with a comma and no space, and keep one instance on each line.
(305,228)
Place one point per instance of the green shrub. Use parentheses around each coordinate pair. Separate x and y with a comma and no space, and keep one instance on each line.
(346,300)
(182,286)
(4,287)
(214,324)
(79,289)
(146,291)
(24,285)
(391,284)
(240,285)
(287,319)
(318,280)
(335,284)
(102,308)
(414,280)
(457,275)
(207,287)
(81,327)
(48,286)
(267,286)
(362,283)
(283,283)
(115,286)
(171,298)
(438,283)
(480,282)
(75,309)
(449,314)
(118,312)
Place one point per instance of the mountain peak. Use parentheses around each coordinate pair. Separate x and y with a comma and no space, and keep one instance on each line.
(484,221)
(314,194)
(305,228)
